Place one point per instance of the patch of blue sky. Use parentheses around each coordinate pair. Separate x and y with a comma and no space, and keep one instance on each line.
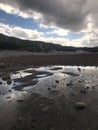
(14,20)
(72,36)
(50,35)
(28,23)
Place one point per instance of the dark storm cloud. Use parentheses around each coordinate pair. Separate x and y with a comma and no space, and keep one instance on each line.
(67,14)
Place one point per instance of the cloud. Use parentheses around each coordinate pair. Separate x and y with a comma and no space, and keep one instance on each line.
(66,14)
(16,11)
(59,32)
(19,32)
(90,38)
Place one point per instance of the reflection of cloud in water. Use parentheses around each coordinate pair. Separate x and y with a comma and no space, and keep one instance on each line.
(71,79)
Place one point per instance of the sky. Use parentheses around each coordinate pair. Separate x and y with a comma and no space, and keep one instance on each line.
(65,22)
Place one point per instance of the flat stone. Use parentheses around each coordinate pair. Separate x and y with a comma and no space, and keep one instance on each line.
(80,105)
(20,100)
(8,97)
(46,108)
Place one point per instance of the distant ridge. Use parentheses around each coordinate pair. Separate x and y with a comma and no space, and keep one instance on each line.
(12,43)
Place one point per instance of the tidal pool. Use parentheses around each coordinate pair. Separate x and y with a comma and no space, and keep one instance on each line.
(48,95)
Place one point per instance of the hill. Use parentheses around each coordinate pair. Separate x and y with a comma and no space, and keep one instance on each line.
(12,43)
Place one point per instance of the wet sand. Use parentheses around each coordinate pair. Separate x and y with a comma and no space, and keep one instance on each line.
(49,98)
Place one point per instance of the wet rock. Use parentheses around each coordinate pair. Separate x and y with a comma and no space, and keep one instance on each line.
(6,77)
(46,108)
(8,97)
(52,129)
(73,93)
(49,89)
(79,69)
(69,84)
(57,81)
(2,65)
(21,100)
(54,86)
(0,83)
(84,90)
(56,68)
(9,90)
(71,73)
(93,88)
(33,125)
(80,81)
(9,82)
(20,119)
(41,105)
(14,84)
(87,87)
(80,105)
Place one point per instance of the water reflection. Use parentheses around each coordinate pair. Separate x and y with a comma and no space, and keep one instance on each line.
(52,79)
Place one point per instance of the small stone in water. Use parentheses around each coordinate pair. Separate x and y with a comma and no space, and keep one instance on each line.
(57,81)
(0,83)
(80,105)
(9,82)
(20,100)
(8,97)
(83,90)
(49,89)
(9,90)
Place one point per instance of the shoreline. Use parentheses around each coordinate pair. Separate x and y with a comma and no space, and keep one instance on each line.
(24,58)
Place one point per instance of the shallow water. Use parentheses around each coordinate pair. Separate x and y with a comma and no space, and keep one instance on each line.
(49,94)
(71,80)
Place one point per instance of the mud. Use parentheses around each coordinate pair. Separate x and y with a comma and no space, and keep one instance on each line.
(49,98)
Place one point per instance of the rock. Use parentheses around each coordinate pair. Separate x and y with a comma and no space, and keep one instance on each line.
(84,90)
(20,100)
(2,65)
(9,90)
(49,89)
(79,69)
(20,119)
(0,83)
(54,86)
(9,82)
(6,77)
(8,97)
(69,84)
(46,108)
(33,125)
(57,81)
(80,105)
(87,87)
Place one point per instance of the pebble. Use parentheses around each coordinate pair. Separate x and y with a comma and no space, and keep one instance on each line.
(57,81)
(79,69)
(80,105)
(20,119)
(9,82)
(9,90)
(0,83)
(8,97)
(46,108)
(69,84)
(49,89)
(54,86)
(20,100)
(83,91)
